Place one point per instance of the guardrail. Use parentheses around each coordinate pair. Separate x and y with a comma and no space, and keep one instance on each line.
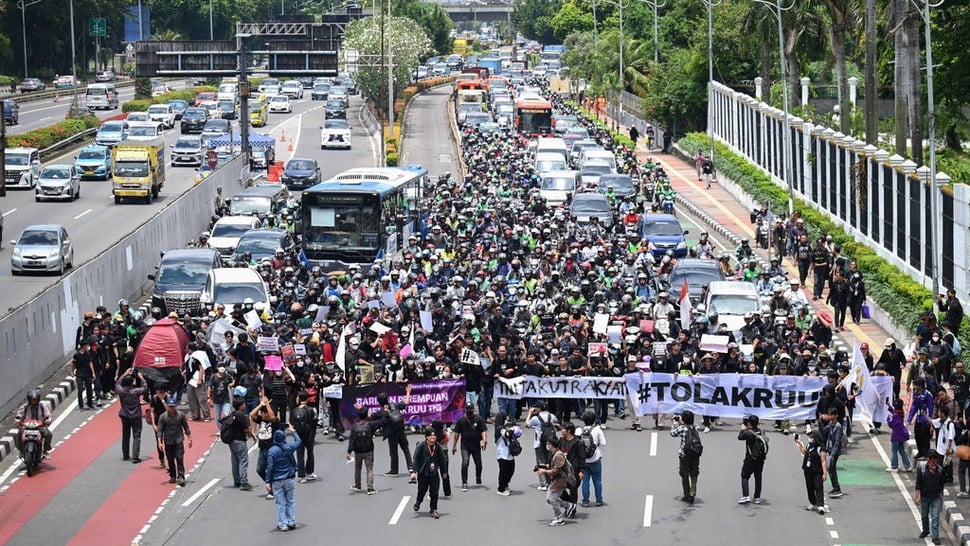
(68,144)
(35,96)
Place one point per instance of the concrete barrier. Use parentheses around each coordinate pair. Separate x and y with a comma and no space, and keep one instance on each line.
(38,336)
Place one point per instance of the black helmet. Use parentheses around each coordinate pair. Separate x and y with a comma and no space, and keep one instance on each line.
(33,395)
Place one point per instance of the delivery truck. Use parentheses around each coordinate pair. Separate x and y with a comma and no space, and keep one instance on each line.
(138,169)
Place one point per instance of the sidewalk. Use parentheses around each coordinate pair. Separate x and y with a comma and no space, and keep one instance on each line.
(726,215)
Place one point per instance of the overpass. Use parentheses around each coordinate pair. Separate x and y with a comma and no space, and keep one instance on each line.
(474,11)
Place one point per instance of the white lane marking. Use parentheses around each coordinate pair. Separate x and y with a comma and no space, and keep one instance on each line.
(196,496)
(400,510)
(79,216)
(829,521)
(653,444)
(647,510)
(60,419)
(11,211)
(899,483)
(833,534)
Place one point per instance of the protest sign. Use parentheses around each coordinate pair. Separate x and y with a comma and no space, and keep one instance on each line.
(273,363)
(267,344)
(443,399)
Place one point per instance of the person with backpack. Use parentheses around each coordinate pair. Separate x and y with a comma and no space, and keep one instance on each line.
(557,473)
(572,446)
(235,432)
(393,428)
(472,432)
(755,453)
(304,421)
(543,422)
(281,476)
(429,462)
(814,467)
(689,453)
(929,494)
(360,449)
(220,384)
(593,440)
(507,447)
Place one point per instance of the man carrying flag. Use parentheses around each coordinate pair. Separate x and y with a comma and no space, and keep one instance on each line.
(871,398)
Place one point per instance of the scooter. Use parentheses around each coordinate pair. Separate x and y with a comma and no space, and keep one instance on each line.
(32,444)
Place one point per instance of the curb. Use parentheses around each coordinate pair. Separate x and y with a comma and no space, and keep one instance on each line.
(952,514)
(57,396)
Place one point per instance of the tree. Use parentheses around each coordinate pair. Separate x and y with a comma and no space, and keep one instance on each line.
(408,45)
(433,18)
(571,18)
(872,122)
(533,18)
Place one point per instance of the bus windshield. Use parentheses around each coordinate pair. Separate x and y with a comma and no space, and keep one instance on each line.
(535,121)
(344,226)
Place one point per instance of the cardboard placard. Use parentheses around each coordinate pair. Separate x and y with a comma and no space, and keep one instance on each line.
(252,319)
(267,344)
(597,349)
(273,363)
(714,343)
(600,322)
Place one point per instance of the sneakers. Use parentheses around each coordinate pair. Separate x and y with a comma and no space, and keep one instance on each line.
(172,480)
(962,495)
(505,493)
(371,491)
(302,480)
(707,429)
(835,493)
(282,528)
(245,487)
(478,481)
(811,508)
(269,496)
(557,523)
(822,509)
(599,503)
(571,511)
(311,478)
(391,474)
(584,504)
(908,469)
(355,489)
(891,469)
(464,487)
(757,500)
(181,481)
(135,460)
(542,487)
(744,500)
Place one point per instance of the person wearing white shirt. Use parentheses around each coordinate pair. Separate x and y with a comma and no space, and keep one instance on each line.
(945,432)
(593,469)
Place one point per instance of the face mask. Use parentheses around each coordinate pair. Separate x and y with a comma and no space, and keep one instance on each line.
(221,369)
(936,338)
(299,364)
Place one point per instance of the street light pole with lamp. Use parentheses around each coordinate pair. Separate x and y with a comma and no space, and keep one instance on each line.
(935,207)
(710,74)
(23,25)
(74,104)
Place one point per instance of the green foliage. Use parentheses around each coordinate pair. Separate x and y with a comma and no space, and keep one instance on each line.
(893,290)
(137,105)
(409,43)
(533,19)
(954,164)
(48,136)
(6,81)
(392,159)
(571,18)
(143,88)
(433,18)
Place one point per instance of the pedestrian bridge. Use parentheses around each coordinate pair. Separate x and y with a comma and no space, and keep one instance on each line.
(474,10)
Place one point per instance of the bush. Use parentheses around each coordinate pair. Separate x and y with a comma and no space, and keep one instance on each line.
(896,293)
(143,88)
(48,136)
(392,160)
(137,105)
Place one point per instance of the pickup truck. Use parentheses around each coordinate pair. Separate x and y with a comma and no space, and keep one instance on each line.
(162,113)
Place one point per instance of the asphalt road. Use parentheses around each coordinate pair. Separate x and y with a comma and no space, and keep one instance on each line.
(43,113)
(95,222)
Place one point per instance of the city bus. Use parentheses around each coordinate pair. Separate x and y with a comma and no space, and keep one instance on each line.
(533,116)
(362,214)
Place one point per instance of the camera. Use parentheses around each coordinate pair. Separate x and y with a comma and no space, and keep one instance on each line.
(746,421)
(538,466)
(796,436)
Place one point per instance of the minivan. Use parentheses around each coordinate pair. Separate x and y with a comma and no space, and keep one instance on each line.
(730,301)
(180,277)
(550,161)
(232,286)
(101,95)
(598,155)
(260,201)
(664,232)
(587,205)
(556,186)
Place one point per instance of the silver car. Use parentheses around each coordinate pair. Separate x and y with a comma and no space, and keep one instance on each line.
(58,181)
(42,248)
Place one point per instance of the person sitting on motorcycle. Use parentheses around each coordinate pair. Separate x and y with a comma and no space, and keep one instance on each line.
(765,284)
(631,218)
(725,263)
(667,198)
(33,410)
(796,297)
(705,247)
(628,206)
(744,251)
(750,271)
(662,307)
(779,301)
(775,270)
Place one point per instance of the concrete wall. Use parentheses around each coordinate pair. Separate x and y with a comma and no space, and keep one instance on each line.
(39,335)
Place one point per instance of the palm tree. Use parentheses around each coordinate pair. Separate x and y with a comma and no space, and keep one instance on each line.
(872,120)
(841,17)
(167,36)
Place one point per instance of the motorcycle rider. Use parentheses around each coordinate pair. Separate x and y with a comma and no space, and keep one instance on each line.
(32,409)
(744,251)
(704,248)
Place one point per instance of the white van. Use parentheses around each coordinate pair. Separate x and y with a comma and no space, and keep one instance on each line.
(228,91)
(232,286)
(101,95)
(555,186)
(550,161)
(552,145)
(731,300)
(598,155)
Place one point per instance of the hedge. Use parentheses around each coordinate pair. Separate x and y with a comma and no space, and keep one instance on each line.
(617,136)
(141,105)
(391,152)
(137,105)
(48,136)
(896,293)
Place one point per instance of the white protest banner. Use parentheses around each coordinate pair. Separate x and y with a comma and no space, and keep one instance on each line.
(252,319)
(530,386)
(470,357)
(614,333)
(373,304)
(267,344)
(379,328)
(333,391)
(600,321)
(714,343)
(730,395)
(299,349)
(873,397)
(426,322)
(387,298)
(321,313)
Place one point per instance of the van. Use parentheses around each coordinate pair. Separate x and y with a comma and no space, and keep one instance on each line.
(101,95)
(258,111)
(555,186)
(553,146)
(179,278)
(232,286)
(663,232)
(598,155)
(260,200)
(550,161)
(228,91)
(730,301)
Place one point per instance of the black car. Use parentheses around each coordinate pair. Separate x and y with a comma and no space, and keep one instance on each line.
(300,173)
(260,200)
(320,91)
(305,81)
(263,243)
(180,277)
(193,119)
(336,109)
(227,109)
(698,273)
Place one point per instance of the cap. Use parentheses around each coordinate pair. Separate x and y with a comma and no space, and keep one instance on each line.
(864,347)
(170,402)
(354,341)
(89,314)
(890,341)
(923,351)
(631,358)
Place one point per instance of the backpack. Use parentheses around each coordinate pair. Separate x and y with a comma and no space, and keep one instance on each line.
(759,449)
(547,431)
(397,420)
(515,448)
(589,444)
(693,449)
(362,438)
(302,418)
(568,472)
(226,432)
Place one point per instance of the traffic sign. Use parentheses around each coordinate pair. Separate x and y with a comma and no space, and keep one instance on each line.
(97,26)
(212,158)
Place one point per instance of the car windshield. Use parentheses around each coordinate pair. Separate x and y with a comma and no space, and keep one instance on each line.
(59,173)
(590,205)
(733,304)
(258,246)
(230,230)
(236,293)
(335,124)
(695,277)
(661,229)
(318,87)
(194,113)
(111,128)
(620,185)
(132,169)
(183,273)
(188,144)
(560,184)
(301,165)
(280,98)
(335,104)
(242,206)
(142,131)
(158,110)
(16,160)
(596,170)
(93,154)
(38,238)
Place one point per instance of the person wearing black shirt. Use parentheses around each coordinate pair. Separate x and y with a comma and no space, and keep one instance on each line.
(471,431)
(390,416)
(505,367)
(929,494)
(241,431)
(84,375)
(894,360)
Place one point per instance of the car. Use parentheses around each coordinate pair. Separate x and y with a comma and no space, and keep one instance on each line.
(32,84)
(266,83)
(178,106)
(262,243)
(730,301)
(622,185)
(271,90)
(193,120)
(340,93)
(137,117)
(232,286)
(347,83)
(21,167)
(228,91)
(663,232)
(590,176)
(301,173)
(143,131)
(564,122)
(105,76)
(188,151)
(549,161)
(64,82)
(42,248)
(320,91)
(305,81)
(335,133)
(227,109)
(211,109)
(556,186)
(227,231)
(335,109)
(11,112)
(159,89)
(180,277)
(576,150)
(585,206)
(94,161)
(214,128)
(111,132)
(163,114)
(260,200)
(421,73)
(206,96)
(466,108)
(474,119)
(698,273)
(292,89)
(280,103)
(58,181)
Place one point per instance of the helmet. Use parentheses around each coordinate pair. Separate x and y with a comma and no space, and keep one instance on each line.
(744,242)
(33,395)
(122,302)
(279,252)
(204,235)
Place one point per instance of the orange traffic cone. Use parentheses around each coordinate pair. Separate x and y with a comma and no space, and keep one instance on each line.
(290,148)
(282,136)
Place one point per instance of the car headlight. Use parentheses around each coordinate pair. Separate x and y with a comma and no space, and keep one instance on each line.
(16,251)
(682,244)
(54,253)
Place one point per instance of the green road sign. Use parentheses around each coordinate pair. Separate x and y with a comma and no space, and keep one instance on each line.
(97,26)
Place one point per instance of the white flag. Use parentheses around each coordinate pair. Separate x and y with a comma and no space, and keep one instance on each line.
(685,310)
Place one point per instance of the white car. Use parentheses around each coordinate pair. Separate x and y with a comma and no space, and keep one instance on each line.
(137,117)
(227,231)
(163,114)
(280,103)
(60,182)
(292,89)
(335,133)
(144,131)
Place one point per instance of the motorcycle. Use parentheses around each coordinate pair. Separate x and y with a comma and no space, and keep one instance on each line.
(31,444)
(667,204)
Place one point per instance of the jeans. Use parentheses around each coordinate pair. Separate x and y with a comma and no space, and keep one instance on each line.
(833,461)
(559,506)
(748,468)
(899,450)
(467,455)
(395,441)
(428,483)
(542,457)
(602,410)
(485,403)
(690,468)
(364,459)
(963,470)
(471,400)
(507,406)
(284,496)
(240,462)
(506,468)
(593,471)
(131,428)
(261,462)
(929,511)
(85,387)
(221,410)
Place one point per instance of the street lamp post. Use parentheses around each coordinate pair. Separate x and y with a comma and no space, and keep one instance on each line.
(23,25)
(243,82)
(656,40)
(776,9)
(710,75)
(211,33)
(935,211)
(74,105)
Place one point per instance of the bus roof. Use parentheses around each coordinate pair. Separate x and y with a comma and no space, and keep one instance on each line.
(532,102)
(369,179)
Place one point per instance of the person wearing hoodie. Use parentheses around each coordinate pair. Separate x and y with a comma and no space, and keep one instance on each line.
(900,435)
(281,476)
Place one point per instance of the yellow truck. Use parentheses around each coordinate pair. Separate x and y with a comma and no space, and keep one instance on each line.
(138,169)
(460,46)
